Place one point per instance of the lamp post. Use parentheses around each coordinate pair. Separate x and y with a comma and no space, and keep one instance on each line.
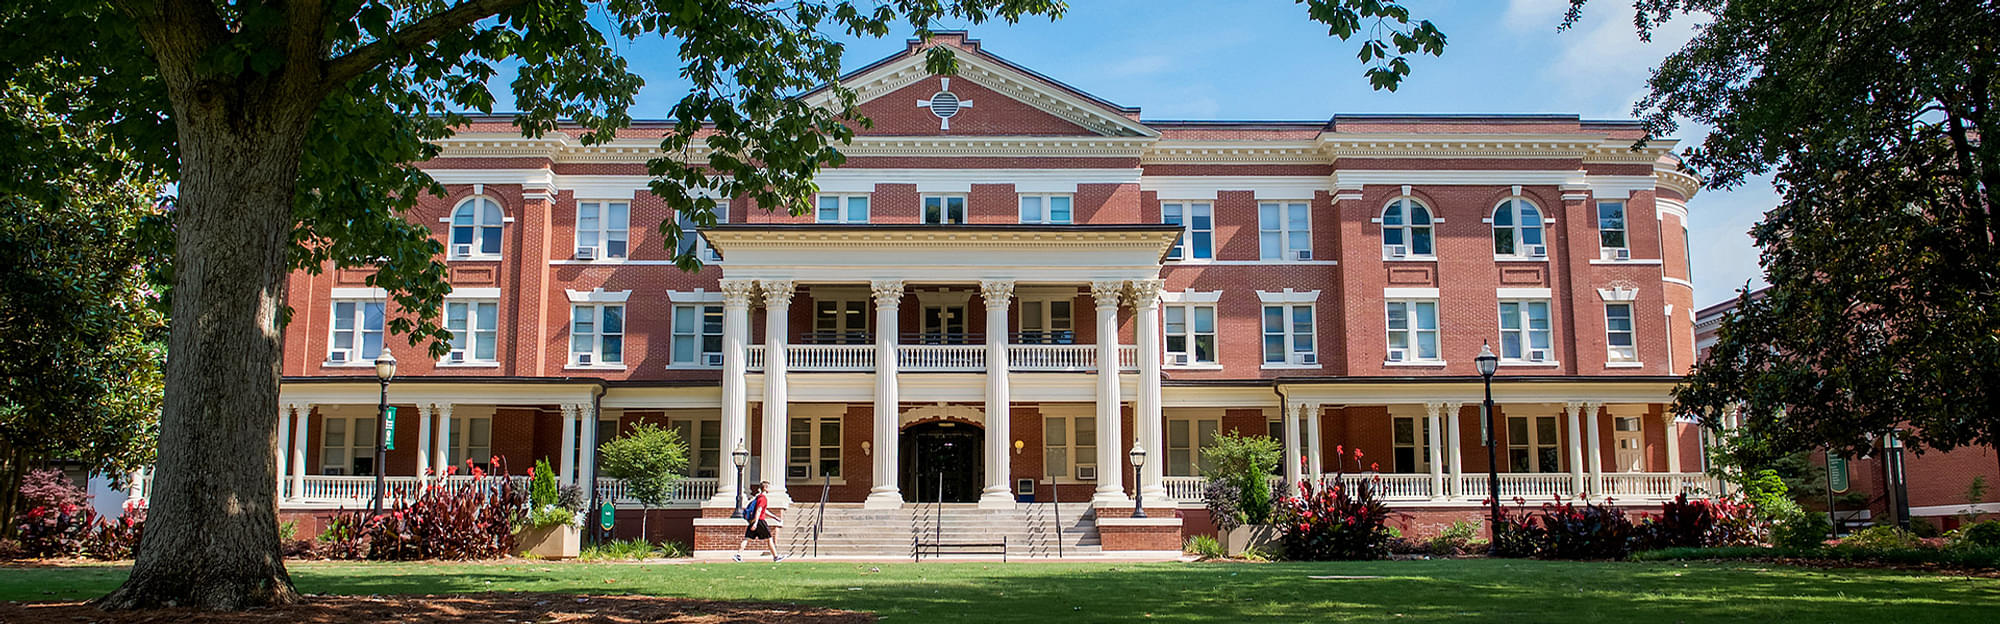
(740,457)
(1488,364)
(385,369)
(1138,455)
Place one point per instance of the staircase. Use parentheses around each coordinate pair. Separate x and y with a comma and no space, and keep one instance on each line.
(1030,530)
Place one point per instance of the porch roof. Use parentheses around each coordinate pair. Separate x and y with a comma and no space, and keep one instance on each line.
(1056,254)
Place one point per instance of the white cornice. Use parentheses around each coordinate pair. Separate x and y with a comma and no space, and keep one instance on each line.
(1008,81)
(1236,153)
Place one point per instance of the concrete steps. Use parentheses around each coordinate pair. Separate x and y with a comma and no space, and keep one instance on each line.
(1030,530)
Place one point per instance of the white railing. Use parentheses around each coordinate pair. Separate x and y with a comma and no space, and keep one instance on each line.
(831,357)
(753,357)
(355,490)
(689,491)
(1128,357)
(1388,487)
(1052,357)
(1655,485)
(941,357)
(1532,489)
(1187,489)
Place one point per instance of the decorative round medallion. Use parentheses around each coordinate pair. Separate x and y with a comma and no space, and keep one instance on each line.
(944,104)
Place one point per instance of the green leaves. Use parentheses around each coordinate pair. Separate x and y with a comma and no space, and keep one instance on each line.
(1389,28)
(650,459)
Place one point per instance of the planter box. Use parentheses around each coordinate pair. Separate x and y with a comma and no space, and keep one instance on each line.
(556,542)
(1261,537)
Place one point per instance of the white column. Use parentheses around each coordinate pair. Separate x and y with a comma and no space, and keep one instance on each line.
(443,454)
(424,414)
(1434,437)
(1596,459)
(284,445)
(1148,425)
(888,410)
(999,493)
(1673,442)
(566,466)
(300,433)
(1110,441)
(1457,457)
(586,447)
(777,418)
(1313,451)
(1289,416)
(735,412)
(1574,410)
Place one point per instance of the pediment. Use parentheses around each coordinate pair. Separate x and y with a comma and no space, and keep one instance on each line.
(988,97)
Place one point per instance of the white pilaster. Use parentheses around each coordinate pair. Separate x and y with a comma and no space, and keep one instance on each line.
(1596,459)
(888,439)
(300,432)
(1110,439)
(566,467)
(425,411)
(999,493)
(735,410)
(284,445)
(1434,437)
(1457,455)
(443,454)
(1314,453)
(1290,422)
(1574,411)
(1673,442)
(1148,427)
(777,418)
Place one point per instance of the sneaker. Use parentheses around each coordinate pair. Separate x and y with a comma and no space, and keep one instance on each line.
(736,557)
(778,558)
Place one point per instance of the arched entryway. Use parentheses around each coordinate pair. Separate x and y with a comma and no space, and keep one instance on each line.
(942,458)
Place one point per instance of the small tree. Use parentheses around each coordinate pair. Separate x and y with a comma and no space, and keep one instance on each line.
(650,459)
(1245,462)
(544,499)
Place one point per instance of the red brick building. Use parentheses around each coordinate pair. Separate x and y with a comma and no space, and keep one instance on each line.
(1011,283)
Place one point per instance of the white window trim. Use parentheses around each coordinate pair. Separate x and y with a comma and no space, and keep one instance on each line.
(1411,332)
(702,249)
(1533,445)
(698,295)
(1632,319)
(866,198)
(1287,295)
(1625,223)
(693,441)
(471,322)
(699,336)
(944,208)
(1070,445)
(1291,348)
(1194,447)
(1409,229)
(1420,445)
(1187,228)
(478,193)
(814,446)
(1526,332)
(349,446)
(356,358)
(599,295)
(1188,307)
(460,451)
(604,229)
(1523,293)
(1045,197)
(597,344)
(1286,254)
(1520,247)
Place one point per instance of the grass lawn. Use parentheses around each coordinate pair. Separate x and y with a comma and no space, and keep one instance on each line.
(1408,591)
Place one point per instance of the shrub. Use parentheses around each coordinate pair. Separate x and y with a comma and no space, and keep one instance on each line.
(1223,498)
(472,520)
(1981,535)
(1519,536)
(1879,538)
(1801,530)
(544,497)
(1681,523)
(344,536)
(1924,529)
(1246,462)
(1590,532)
(51,488)
(59,522)
(1453,539)
(1205,547)
(1333,523)
(59,531)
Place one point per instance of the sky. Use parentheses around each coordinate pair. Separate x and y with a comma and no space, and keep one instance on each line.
(1263,59)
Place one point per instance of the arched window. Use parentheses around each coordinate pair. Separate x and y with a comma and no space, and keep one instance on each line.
(1406,229)
(475,229)
(1517,229)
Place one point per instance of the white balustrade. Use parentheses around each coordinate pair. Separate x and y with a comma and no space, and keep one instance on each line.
(830,357)
(1531,488)
(1388,487)
(753,357)
(689,491)
(356,490)
(1187,489)
(1655,485)
(1052,357)
(941,357)
(1128,357)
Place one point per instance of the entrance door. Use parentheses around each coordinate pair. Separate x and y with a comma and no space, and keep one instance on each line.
(1631,455)
(942,458)
(943,324)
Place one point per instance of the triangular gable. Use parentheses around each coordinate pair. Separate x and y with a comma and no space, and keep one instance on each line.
(1017,101)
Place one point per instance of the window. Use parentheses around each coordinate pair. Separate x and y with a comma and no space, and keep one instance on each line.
(697,335)
(1412,444)
(1524,331)
(1047,321)
(1190,334)
(692,239)
(1687,254)
(601,229)
(840,321)
(596,334)
(1068,443)
(474,327)
(1406,229)
(843,209)
(1618,333)
(1628,439)
(1288,335)
(357,332)
(347,445)
(1611,229)
(1048,209)
(1413,331)
(1197,221)
(815,448)
(944,209)
(471,440)
(1517,230)
(703,437)
(475,229)
(1284,231)
(1536,452)
(1186,437)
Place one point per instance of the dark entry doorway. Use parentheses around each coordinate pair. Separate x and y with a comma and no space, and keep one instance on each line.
(942,449)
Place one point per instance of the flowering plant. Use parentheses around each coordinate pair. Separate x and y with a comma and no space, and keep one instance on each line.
(1333,523)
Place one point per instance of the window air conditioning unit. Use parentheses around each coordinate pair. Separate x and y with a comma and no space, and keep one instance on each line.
(336,357)
(1398,251)
(1399,355)
(1307,358)
(1538,355)
(1621,254)
(457,357)
(462,249)
(586,253)
(1302,254)
(1086,473)
(1538,251)
(711,359)
(1179,359)
(583,359)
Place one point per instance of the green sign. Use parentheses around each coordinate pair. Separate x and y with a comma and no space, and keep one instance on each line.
(1836,473)
(389,429)
(604,516)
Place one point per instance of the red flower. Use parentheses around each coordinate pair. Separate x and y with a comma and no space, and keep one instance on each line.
(1375,466)
(1339,449)
(1357,454)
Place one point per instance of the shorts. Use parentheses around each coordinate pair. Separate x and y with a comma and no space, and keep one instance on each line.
(760,530)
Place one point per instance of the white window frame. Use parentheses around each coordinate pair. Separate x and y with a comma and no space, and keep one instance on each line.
(465,351)
(1195,427)
(1283,230)
(843,301)
(357,353)
(596,334)
(696,330)
(944,202)
(1078,450)
(1293,355)
(461,447)
(817,450)
(1412,331)
(352,448)
(1630,352)
(1401,210)
(1519,207)
(1044,307)
(1533,445)
(691,429)
(703,250)
(1420,447)
(1044,206)
(1185,249)
(1624,231)
(845,208)
(602,233)
(486,221)
(1190,336)
(1525,332)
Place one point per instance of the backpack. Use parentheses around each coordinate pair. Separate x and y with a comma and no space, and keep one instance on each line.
(749,512)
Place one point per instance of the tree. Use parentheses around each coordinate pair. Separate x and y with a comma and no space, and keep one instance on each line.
(1884,305)
(79,336)
(650,460)
(293,132)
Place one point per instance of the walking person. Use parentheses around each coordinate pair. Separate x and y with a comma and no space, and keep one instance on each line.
(762,523)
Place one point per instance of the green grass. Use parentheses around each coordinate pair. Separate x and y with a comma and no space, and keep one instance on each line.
(1409,591)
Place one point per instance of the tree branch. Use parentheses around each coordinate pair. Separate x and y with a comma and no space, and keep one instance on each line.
(413,36)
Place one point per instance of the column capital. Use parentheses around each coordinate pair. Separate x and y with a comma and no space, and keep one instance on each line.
(1146,293)
(570,410)
(1107,292)
(777,293)
(996,292)
(736,292)
(1574,407)
(887,293)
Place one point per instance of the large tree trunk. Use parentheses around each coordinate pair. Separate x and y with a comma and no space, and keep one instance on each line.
(211,538)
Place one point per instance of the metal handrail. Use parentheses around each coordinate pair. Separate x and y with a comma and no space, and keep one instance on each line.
(1055,494)
(819,520)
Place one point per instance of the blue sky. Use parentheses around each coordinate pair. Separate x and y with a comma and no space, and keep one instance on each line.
(1262,59)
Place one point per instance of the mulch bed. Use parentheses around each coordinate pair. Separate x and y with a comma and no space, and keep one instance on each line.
(510,608)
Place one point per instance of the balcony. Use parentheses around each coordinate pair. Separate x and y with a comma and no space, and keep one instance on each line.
(358,492)
(941,358)
(1532,489)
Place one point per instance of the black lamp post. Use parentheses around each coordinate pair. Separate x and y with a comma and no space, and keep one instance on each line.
(740,457)
(1488,364)
(1138,455)
(385,369)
